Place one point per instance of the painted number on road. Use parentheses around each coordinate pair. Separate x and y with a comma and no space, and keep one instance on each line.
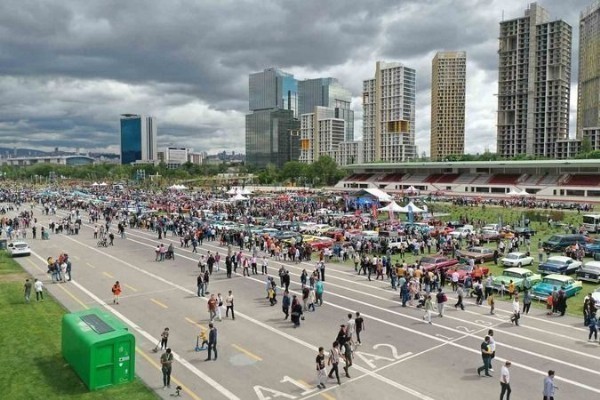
(465,329)
(482,322)
(370,358)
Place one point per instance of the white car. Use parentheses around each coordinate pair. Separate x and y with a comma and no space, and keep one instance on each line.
(517,259)
(596,296)
(18,249)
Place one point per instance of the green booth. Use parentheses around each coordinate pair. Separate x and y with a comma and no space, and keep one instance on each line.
(99,348)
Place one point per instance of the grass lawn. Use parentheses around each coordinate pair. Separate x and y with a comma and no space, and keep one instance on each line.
(33,366)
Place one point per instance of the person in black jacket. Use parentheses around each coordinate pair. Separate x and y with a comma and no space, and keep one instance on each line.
(212,341)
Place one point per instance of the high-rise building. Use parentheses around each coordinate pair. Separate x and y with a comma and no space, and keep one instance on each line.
(588,89)
(138,139)
(327,92)
(533,84)
(389,114)
(320,134)
(272,126)
(448,85)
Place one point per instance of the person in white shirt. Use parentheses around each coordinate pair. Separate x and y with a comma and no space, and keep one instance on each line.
(492,348)
(516,311)
(549,387)
(505,381)
(350,328)
(455,281)
(39,290)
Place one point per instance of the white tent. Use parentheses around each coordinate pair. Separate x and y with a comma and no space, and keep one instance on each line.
(524,193)
(379,194)
(516,192)
(393,207)
(103,184)
(177,187)
(412,189)
(95,184)
(239,197)
(412,207)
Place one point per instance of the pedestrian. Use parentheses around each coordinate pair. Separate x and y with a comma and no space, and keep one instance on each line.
(296,312)
(492,348)
(205,280)
(229,305)
(166,361)
(116,290)
(285,304)
(441,298)
(27,290)
(212,307)
(459,303)
(334,359)
(212,341)
(516,311)
(505,381)
(219,307)
(164,338)
(111,238)
(322,270)
(347,353)
(428,307)
(593,326)
(264,265)
(39,290)
(360,326)
(200,284)
(321,374)
(526,301)
(486,354)
(319,292)
(492,303)
(549,387)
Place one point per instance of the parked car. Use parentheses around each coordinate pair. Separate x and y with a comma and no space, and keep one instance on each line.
(559,265)
(437,263)
(561,242)
(394,244)
(517,259)
(524,231)
(489,235)
(517,275)
(589,272)
(478,253)
(464,269)
(18,248)
(542,289)
(592,248)
(462,231)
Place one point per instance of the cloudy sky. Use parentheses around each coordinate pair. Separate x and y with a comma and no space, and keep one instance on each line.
(69,68)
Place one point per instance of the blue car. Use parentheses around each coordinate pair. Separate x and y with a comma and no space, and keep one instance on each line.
(559,265)
(592,248)
(543,289)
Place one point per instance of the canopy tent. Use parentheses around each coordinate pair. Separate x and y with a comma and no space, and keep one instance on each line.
(377,193)
(412,189)
(239,197)
(518,192)
(238,190)
(393,207)
(95,184)
(177,187)
(411,207)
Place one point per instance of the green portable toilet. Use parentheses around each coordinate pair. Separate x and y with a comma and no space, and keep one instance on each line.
(99,348)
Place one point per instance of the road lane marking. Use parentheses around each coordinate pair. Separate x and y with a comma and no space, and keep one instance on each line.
(182,361)
(327,396)
(90,265)
(246,352)
(159,303)
(68,292)
(130,287)
(108,275)
(191,321)
(408,390)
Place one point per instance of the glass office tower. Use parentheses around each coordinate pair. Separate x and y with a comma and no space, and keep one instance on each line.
(138,139)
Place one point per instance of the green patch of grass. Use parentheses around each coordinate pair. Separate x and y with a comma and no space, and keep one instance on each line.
(8,265)
(32,365)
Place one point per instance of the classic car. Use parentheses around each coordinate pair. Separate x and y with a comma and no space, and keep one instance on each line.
(464,269)
(322,243)
(596,296)
(462,232)
(517,259)
(518,276)
(489,235)
(19,248)
(479,254)
(542,289)
(559,265)
(589,272)
(592,248)
(436,263)
(524,231)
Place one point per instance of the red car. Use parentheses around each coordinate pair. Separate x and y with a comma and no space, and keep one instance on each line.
(436,263)
(321,244)
(464,269)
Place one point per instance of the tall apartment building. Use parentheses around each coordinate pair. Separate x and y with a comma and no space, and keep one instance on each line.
(138,139)
(272,126)
(533,84)
(588,89)
(448,86)
(320,134)
(389,114)
(327,92)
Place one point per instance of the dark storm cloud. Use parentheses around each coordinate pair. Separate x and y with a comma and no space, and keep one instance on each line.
(69,68)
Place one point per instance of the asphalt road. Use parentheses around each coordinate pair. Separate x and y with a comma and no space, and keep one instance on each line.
(262,357)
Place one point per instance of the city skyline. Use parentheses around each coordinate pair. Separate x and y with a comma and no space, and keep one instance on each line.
(68,71)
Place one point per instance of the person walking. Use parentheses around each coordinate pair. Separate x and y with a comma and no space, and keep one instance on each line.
(441,298)
(360,326)
(321,374)
(492,303)
(116,291)
(319,292)
(164,338)
(200,284)
(486,355)
(549,387)
(593,327)
(219,307)
(505,381)
(428,307)
(39,290)
(27,290)
(492,348)
(516,311)
(212,341)
(285,304)
(460,294)
(212,307)
(229,305)
(526,301)
(334,360)
(166,361)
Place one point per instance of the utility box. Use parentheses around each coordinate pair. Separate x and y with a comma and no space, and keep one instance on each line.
(99,348)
